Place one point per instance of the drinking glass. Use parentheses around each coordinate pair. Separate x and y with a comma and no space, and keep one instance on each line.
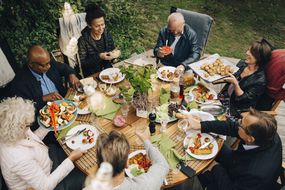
(163,127)
(125,109)
(182,126)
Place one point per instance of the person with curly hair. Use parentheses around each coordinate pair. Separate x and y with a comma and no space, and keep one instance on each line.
(26,162)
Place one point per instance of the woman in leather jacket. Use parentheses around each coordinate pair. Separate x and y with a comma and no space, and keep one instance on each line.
(245,87)
(96,45)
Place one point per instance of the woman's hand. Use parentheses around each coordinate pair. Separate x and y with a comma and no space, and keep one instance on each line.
(76,154)
(143,133)
(231,79)
(106,56)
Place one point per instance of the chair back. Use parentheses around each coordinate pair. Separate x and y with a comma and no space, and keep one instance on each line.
(200,23)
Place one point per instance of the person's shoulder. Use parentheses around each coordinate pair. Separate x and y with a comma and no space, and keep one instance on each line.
(188,31)
(164,29)
(23,75)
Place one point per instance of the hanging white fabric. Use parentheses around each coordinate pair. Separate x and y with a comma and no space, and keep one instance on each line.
(6,72)
(70,28)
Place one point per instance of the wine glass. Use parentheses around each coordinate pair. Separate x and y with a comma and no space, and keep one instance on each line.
(163,124)
(125,109)
(181,125)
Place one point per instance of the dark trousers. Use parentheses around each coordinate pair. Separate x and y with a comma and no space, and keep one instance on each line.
(75,179)
(225,159)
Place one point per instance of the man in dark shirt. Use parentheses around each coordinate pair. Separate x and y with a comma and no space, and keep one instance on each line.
(255,165)
(41,79)
(182,40)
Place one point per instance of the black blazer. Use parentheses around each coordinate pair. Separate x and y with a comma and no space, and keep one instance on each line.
(256,169)
(253,86)
(25,85)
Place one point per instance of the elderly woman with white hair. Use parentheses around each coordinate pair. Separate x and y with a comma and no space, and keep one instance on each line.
(181,39)
(25,160)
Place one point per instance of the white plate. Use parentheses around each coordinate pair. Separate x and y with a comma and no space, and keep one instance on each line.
(76,142)
(128,170)
(201,157)
(83,111)
(196,67)
(215,96)
(169,68)
(109,72)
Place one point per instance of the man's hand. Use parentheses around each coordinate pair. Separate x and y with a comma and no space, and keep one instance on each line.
(74,81)
(76,154)
(162,53)
(52,97)
(143,133)
(194,123)
(106,56)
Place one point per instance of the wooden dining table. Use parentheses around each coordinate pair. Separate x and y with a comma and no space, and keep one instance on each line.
(88,163)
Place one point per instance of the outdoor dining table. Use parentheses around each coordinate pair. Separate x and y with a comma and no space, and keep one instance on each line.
(88,163)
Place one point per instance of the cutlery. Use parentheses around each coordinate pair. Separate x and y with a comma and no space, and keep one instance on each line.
(206,144)
(68,137)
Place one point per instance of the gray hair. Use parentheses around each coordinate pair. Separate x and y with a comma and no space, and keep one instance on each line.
(176,17)
(16,114)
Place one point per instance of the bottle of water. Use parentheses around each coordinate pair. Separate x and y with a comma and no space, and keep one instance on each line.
(102,180)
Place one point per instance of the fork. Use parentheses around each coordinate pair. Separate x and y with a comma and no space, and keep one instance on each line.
(68,137)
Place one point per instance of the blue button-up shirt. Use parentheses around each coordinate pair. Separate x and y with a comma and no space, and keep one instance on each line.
(46,84)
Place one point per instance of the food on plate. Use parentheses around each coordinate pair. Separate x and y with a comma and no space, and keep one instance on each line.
(218,67)
(180,116)
(195,142)
(63,113)
(82,104)
(88,137)
(167,74)
(201,93)
(102,87)
(142,164)
(172,109)
(166,49)
(166,111)
(115,76)
(105,77)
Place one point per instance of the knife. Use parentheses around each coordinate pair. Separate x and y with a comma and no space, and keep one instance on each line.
(206,144)
(72,136)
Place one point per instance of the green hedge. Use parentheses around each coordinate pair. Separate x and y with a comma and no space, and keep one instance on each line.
(27,22)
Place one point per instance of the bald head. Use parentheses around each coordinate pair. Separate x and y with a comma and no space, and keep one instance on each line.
(36,52)
(176,23)
(38,59)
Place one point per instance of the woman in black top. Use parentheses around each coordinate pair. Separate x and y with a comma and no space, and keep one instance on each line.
(245,87)
(96,44)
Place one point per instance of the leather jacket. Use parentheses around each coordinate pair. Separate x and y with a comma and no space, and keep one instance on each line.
(186,50)
(253,86)
(89,53)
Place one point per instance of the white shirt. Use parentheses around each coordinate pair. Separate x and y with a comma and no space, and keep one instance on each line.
(173,45)
(27,164)
(249,147)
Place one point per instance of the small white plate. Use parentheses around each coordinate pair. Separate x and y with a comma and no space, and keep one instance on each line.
(204,135)
(167,68)
(110,72)
(128,170)
(76,142)
(83,111)
(215,96)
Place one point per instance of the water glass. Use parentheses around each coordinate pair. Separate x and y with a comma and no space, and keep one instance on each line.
(182,126)
(125,109)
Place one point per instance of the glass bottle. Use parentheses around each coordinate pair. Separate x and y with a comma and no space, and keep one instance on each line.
(102,180)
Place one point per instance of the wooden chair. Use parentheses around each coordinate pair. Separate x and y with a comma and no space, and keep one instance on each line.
(201,24)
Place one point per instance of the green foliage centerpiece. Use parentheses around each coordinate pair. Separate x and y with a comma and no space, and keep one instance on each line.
(140,81)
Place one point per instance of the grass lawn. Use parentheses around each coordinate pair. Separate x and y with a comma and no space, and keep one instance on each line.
(236,22)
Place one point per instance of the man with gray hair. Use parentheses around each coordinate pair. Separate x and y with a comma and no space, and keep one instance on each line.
(181,39)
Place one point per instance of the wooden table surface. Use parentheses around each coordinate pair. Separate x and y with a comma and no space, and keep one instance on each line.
(88,164)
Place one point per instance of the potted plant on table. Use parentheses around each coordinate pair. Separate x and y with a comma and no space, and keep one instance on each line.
(140,83)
